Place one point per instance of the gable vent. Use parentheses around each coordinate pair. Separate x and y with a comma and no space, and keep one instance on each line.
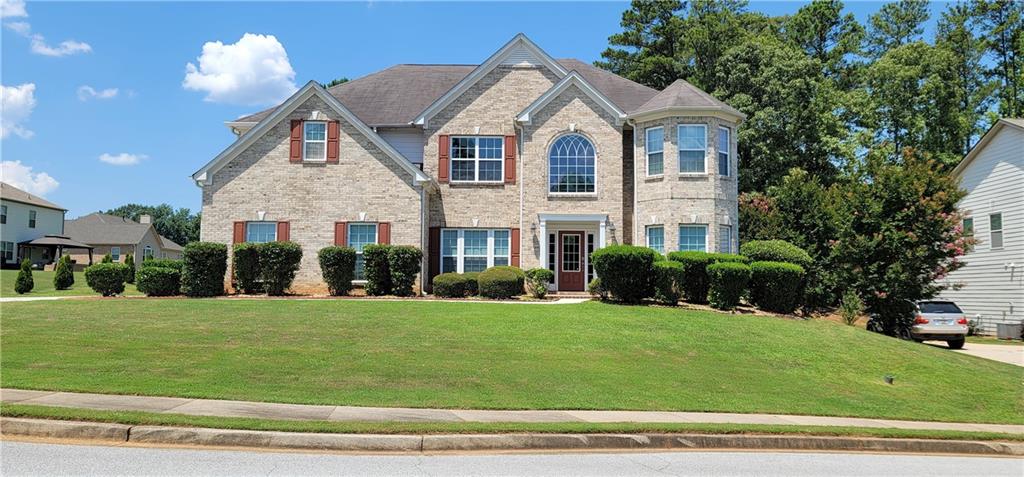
(520,56)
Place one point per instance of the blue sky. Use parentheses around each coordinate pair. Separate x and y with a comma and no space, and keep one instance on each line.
(154,132)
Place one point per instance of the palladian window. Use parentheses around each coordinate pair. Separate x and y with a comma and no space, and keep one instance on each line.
(571,166)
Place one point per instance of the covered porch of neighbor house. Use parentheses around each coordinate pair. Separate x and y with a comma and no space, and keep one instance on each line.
(44,251)
(567,240)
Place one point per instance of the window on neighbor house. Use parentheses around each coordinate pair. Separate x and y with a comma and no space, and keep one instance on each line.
(474,250)
(968,226)
(477,159)
(314,144)
(723,151)
(359,236)
(995,230)
(656,238)
(693,238)
(147,252)
(31,219)
(3,214)
(725,239)
(260,232)
(693,142)
(571,166)
(7,250)
(655,147)
(115,254)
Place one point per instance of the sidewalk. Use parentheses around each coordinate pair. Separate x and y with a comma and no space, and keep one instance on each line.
(997,352)
(222,408)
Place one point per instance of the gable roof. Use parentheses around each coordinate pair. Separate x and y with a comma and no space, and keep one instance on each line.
(628,95)
(14,194)
(572,79)
(105,229)
(1017,123)
(683,96)
(204,175)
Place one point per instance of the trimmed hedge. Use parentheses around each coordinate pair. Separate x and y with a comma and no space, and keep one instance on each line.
(245,266)
(338,266)
(159,281)
(203,267)
(24,283)
(668,281)
(626,271)
(695,275)
(727,281)
(278,262)
(451,285)
(776,251)
(776,286)
(501,282)
(403,265)
(64,276)
(107,279)
(129,268)
(538,280)
(472,283)
(375,270)
(162,263)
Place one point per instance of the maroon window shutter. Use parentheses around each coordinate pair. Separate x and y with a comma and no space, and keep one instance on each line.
(341,234)
(332,142)
(384,233)
(514,248)
(443,145)
(295,152)
(510,159)
(283,232)
(434,251)
(239,233)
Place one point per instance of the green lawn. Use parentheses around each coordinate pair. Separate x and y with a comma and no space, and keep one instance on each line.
(44,285)
(479,355)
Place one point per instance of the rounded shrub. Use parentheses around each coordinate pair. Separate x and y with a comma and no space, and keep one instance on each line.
(245,267)
(730,257)
(375,270)
(626,271)
(668,281)
(451,285)
(595,288)
(107,279)
(403,264)
(695,275)
(203,267)
(776,286)
(472,283)
(537,280)
(129,268)
(727,281)
(24,283)
(278,262)
(776,251)
(338,266)
(64,275)
(162,263)
(501,282)
(159,281)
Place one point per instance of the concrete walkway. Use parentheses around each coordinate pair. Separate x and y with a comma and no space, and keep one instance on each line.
(569,300)
(1011,354)
(222,408)
(15,299)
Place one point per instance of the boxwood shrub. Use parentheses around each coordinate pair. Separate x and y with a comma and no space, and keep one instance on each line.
(158,281)
(775,251)
(727,281)
(376,271)
(626,271)
(538,280)
(695,275)
(472,283)
(668,281)
(24,282)
(162,262)
(203,267)
(338,266)
(403,265)
(451,285)
(501,282)
(278,262)
(776,286)
(245,266)
(107,279)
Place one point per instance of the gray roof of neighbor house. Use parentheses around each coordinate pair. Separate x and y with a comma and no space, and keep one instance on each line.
(9,192)
(682,94)
(106,229)
(395,96)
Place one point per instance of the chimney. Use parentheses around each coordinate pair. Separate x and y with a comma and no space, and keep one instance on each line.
(145,219)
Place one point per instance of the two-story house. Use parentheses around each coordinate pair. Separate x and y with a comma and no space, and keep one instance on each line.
(30,227)
(523,160)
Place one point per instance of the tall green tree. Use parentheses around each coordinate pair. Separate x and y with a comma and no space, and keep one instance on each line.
(957,33)
(646,50)
(710,28)
(1002,25)
(826,34)
(896,24)
(179,225)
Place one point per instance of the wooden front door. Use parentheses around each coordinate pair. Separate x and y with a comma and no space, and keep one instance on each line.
(571,273)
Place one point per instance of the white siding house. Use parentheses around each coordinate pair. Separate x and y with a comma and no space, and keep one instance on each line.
(25,217)
(993,278)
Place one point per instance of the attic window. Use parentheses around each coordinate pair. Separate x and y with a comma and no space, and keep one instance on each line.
(314,143)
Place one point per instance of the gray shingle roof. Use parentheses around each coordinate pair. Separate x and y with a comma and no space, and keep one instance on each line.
(9,192)
(106,229)
(682,94)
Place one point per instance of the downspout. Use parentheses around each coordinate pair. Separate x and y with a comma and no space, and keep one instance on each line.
(636,216)
(520,168)
(425,258)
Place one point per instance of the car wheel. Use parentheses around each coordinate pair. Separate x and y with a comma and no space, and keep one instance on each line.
(955,344)
(904,334)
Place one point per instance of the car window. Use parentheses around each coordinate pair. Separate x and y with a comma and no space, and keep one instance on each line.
(938,307)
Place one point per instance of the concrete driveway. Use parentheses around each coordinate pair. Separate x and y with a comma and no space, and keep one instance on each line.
(1012,354)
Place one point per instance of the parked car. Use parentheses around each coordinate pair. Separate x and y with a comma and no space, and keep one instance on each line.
(933,320)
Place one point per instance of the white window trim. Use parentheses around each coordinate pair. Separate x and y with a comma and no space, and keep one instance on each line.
(679,241)
(647,237)
(115,256)
(33,219)
(648,152)
(963,224)
(460,250)
(728,151)
(3,209)
(720,227)
(679,149)
(348,241)
(547,165)
(149,249)
(476,160)
(260,222)
(1002,230)
(307,141)
(4,250)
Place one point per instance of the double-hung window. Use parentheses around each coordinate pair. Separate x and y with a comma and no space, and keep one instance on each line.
(314,141)
(359,236)
(474,250)
(725,239)
(477,159)
(3,214)
(147,252)
(260,232)
(995,230)
(693,142)
(693,237)
(968,226)
(656,238)
(31,219)
(723,151)
(115,254)
(655,147)
(7,248)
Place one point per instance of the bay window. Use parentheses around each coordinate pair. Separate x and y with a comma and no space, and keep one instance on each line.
(693,142)
(656,238)
(655,146)
(693,238)
(474,250)
(725,239)
(723,151)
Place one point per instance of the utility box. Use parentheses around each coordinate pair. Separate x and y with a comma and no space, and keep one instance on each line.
(1009,331)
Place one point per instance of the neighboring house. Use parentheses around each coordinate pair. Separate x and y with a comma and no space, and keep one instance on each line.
(522,160)
(992,280)
(120,237)
(31,227)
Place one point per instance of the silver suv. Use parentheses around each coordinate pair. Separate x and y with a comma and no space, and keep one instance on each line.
(941,321)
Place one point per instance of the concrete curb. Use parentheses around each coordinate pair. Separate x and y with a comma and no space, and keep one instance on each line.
(487,442)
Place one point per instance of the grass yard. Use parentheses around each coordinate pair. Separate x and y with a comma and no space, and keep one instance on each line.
(477,355)
(44,285)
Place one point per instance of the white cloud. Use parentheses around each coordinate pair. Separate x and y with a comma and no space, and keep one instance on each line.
(38,42)
(16,105)
(254,71)
(21,28)
(12,8)
(87,92)
(122,159)
(22,177)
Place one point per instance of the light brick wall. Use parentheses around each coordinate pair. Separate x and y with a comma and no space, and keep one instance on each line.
(312,196)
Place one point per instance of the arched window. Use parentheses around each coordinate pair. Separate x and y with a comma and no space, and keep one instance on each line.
(571,165)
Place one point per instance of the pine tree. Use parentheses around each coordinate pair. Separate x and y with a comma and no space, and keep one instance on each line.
(24,283)
(64,277)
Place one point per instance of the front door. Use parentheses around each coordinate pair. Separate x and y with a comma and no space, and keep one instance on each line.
(571,274)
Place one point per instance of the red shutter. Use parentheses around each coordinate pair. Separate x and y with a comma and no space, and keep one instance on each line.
(434,252)
(443,145)
(510,159)
(239,233)
(332,142)
(295,151)
(283,232)
(341,234)
(514,248)
(384,233)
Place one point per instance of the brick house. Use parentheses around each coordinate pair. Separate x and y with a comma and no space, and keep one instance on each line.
(522,160)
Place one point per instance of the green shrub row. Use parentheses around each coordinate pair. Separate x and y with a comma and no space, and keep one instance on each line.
(391,269)
(338,267)
(776,286)
(500,282)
